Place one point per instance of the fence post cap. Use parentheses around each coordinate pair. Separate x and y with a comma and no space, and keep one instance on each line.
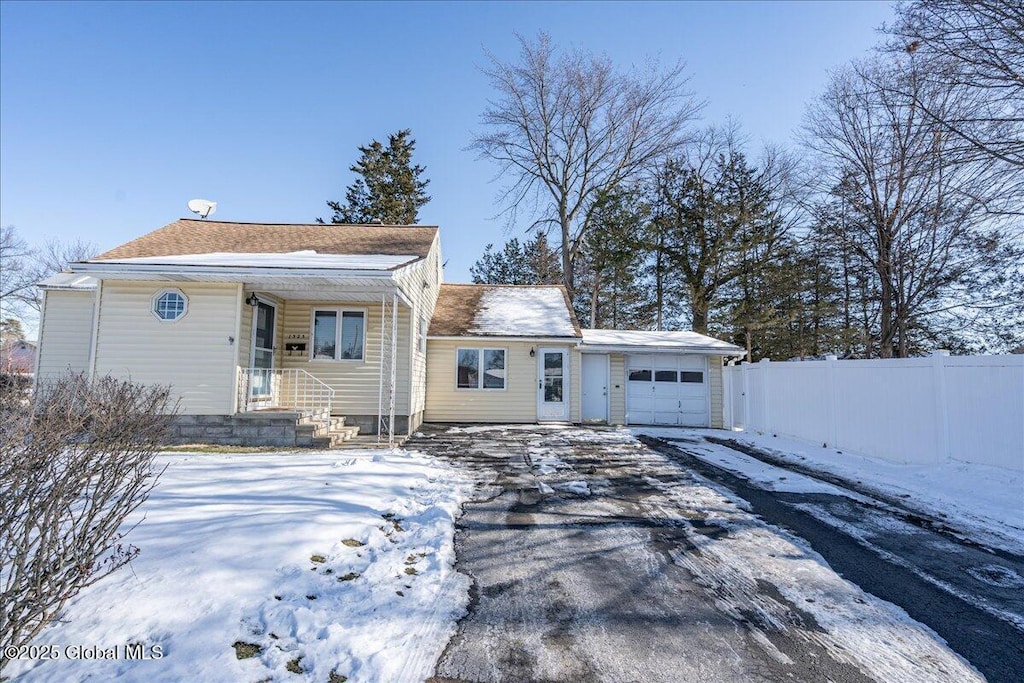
(765,360)
(940,352)
(831,356)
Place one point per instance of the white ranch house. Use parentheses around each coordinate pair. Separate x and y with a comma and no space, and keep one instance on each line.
(286,334)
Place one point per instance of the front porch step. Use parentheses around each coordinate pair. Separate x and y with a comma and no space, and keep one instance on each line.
(319,428)
(335,437)
(316,417)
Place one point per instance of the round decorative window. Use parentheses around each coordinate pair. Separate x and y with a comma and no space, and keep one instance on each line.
(169,305)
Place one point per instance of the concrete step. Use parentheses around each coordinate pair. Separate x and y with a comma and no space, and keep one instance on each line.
(335,437)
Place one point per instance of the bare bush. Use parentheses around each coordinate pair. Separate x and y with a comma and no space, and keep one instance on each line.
(74,463)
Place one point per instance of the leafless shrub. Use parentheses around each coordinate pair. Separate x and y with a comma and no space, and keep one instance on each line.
(74,463)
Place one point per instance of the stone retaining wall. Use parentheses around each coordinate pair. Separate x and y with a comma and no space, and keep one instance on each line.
(260,429)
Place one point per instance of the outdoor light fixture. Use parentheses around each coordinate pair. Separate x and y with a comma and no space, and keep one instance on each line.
(533,352)
(252,300)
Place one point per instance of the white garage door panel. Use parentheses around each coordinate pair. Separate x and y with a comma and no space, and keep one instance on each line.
(656,393)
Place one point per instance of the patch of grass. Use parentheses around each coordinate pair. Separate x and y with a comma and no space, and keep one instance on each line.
(246,650)
(351,576)
(217,448)
(411,571)
(353,543)
(311,597)
(319,559)
(335,677)
(400,594)
(295,667)
(396,522)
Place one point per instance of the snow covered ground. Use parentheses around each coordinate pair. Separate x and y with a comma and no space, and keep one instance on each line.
(982,502)
(321,563)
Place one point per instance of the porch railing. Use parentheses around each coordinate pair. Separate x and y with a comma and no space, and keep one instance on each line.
(291,389)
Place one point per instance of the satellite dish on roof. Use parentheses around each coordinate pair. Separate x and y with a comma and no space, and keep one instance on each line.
(202,207)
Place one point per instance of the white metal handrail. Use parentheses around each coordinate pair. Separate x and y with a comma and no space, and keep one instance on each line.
(291,389)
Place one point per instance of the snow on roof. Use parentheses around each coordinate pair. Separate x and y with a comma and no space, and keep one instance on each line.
(69,281)
(294,259)
(682,340)
(523,311)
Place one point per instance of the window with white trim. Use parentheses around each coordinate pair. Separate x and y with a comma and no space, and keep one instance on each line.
(339,334)
(480,369)
(169,305)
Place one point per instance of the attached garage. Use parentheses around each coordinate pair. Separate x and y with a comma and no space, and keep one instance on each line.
(667,389)
(671,378)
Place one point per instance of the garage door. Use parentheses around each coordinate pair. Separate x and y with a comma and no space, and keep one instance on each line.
(665,389)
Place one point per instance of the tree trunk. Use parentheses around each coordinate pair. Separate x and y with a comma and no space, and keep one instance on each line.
(568,276)
(660,289)
(698,314)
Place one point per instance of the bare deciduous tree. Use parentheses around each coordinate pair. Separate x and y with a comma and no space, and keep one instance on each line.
(22,266)
(920,203)
(568,126)
(73,465)
(979,47)
(15,271)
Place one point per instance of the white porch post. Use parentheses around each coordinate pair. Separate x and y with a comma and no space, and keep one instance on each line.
(388,369)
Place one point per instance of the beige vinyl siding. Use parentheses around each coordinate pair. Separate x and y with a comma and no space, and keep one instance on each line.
(516,403)
(245,336)
(194,354)
(617,388)
(715,387)
(65,333)
(575,385)
(356,383)
(421,284)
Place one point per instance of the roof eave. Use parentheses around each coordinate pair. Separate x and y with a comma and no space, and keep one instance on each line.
(692,350)
(506,337)
(100,268)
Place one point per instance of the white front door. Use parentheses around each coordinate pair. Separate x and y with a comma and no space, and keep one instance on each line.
(595,387)
(553,385)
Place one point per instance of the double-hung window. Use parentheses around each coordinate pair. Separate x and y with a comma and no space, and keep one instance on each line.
(480,369)
(339,334)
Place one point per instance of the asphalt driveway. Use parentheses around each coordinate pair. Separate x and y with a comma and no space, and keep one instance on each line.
(596,558)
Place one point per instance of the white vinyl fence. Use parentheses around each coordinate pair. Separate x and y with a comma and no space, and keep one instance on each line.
(911,410)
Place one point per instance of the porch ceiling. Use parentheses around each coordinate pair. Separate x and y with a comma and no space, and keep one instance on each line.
(327,291)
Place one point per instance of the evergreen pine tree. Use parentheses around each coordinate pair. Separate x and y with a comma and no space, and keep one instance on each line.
(529,263)
(388,189)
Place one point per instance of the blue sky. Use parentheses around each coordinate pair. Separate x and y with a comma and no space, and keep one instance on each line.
(113,116)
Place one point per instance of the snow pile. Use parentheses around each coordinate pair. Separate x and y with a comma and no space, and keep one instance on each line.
(316,563)
(983,502)
(543,460)
(523,311)
(576,487)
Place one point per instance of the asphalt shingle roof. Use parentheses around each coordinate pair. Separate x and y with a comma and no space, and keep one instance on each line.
(193,236)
